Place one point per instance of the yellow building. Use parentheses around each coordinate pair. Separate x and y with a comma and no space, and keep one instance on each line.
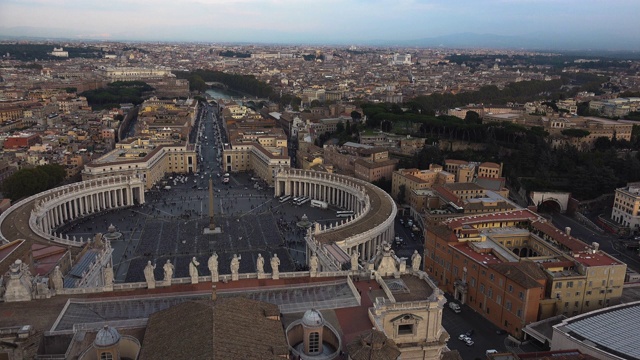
(415,179)
(626,206)
(146,158)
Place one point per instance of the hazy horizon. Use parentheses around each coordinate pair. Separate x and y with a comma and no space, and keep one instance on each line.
(510,23)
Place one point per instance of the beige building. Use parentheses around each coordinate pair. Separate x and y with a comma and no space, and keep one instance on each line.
(142,157)
(262,151)
(415,179)
(626,206)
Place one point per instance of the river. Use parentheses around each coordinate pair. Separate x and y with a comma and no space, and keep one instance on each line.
(218,93)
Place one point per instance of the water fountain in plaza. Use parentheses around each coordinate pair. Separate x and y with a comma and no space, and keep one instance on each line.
(112,233)
(304,222)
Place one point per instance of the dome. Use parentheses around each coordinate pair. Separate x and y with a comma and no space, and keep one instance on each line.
(312,318)
(107,336)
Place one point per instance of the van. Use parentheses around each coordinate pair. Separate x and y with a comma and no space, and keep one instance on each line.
(455,307)
(491,351)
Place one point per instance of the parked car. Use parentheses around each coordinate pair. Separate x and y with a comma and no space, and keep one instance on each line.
(463,337)
(468,342)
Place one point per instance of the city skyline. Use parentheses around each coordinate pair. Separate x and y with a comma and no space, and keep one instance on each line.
(535,24)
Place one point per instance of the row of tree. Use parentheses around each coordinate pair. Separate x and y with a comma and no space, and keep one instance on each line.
(31,52)
(116,93)
(244,83)
(30,181)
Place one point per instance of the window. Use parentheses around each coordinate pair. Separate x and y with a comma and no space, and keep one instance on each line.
(558,285)
(507,305)
(519,313)
(491,277)
(510,288)
(498,299)
(106,356)
(405,329)
(521,295)
(314,342)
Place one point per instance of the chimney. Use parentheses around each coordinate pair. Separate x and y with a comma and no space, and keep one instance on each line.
(595,246)
(214,295)
(567,230)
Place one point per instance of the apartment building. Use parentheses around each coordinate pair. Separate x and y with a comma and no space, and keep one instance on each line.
(626,206)
(416,179)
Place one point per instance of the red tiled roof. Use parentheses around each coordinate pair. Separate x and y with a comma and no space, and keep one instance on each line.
(561,237)
(600,258)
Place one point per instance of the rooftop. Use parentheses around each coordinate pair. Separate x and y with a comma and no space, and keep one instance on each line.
(609,329)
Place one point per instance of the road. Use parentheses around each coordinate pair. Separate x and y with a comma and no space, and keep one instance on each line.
(608,243)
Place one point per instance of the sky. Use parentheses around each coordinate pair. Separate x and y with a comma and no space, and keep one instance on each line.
(324,21)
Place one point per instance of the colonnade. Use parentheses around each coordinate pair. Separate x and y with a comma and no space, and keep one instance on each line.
(349,194)
(55,207)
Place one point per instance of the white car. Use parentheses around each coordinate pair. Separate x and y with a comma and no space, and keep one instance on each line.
(468,341)
(463,337)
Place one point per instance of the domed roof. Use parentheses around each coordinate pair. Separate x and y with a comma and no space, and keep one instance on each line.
(312,318)
(107,336)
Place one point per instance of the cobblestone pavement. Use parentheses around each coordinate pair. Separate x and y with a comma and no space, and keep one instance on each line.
(169,226)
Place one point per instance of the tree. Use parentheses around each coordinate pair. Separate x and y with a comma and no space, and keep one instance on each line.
(472,117)
(356,116)
(339,127)
(27,182)
(575,133)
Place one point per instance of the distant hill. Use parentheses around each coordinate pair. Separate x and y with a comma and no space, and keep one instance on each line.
(532,42)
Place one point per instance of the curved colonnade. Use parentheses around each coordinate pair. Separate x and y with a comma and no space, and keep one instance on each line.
(372,222)
(36,217)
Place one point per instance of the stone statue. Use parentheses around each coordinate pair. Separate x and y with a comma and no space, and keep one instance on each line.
(260,265)
(56,279)
(313,263)
(275,263)
(235,266)
(193,270)
(168,272)
(148,275)
(108,276)
(416,259)
(354,260)
(213,266)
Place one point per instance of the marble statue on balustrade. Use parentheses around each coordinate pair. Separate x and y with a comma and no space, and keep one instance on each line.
(313,265)
(386,262)
(18,285)
(212,264)
(168,272)
(416,259)
(149,276)
(260,266)
(193,270)
(56,279)
(275,263)
(354,260)
(108,277)
(235,267)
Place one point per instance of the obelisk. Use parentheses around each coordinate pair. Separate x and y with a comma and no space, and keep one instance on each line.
(212,229)
(212,225)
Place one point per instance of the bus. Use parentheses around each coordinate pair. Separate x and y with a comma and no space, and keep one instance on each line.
(344,213)
(319,204)
(303,200)
(285,198)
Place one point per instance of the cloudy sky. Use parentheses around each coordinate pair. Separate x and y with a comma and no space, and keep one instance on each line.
(313,21)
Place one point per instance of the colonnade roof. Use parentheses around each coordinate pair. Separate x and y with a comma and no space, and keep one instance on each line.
(381,209)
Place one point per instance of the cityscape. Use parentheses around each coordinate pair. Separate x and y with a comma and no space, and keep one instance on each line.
(301,180)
